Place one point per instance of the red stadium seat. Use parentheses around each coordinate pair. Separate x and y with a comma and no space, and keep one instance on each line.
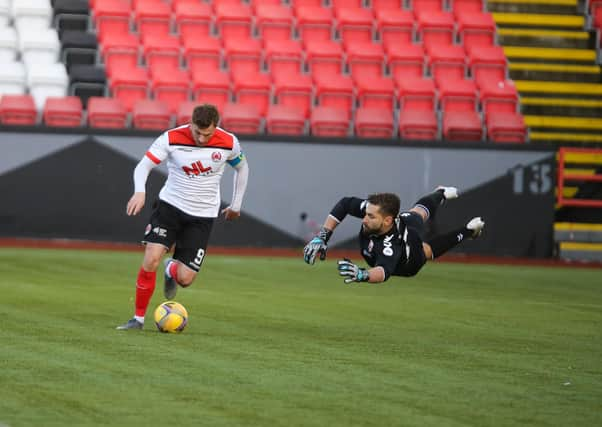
(241,118)
(457,95)
(283,57)
(152,17)
(418,125)
(294,90)
(462,126)
(233,20)
(329,121)
(107,113)
(324,57)
(252,88)
(193,19)
(242,55)
(161,52)
(285,120)
(506,127)
(314,23)
(499,96)
(112,17)
(18,110)
(416,94)
(354,24)
(184,113)
(129,85)
(386,5)
(459,6)
(419,6)
(150,114)
(447,62)
(119,51)
(339,4)
(435,28)
(365,59)
(476,29)
(274,22)
(395,26)
(405,61)
(171,87)
(487,63)
(211,86)
(64,111)
(311,3)
(374,123)
(375,92)
(334,90)
(202,54)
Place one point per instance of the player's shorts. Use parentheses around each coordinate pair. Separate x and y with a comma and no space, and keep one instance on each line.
(415,230)
(190,234)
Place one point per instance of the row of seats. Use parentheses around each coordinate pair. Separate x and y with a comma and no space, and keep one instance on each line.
(367,122)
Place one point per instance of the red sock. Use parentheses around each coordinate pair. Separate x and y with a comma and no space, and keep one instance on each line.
(145,286)
(173,270)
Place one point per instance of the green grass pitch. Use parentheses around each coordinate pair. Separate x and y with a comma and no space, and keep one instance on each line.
(274,342)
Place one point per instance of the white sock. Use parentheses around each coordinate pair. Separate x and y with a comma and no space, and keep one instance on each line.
(139,318)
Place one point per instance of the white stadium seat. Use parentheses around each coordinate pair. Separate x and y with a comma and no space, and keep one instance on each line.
(46,80)
(9,47)
(5,12)
(39,46)
(13,78)
(31,14)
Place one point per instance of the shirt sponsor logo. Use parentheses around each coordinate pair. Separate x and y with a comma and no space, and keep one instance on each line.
(388,250)
(161,232)
(196,169)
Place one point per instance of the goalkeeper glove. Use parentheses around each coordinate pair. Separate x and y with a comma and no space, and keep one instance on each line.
(317,246)
(352,272)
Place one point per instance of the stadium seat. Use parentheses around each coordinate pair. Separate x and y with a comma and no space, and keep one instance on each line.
(242,55)
(435,28)
(86,81)
(39,46)
(106,113)
(374,123)
(9,45)
(499,96)
(386,5)
(324,57)
(418,125)
(152,17)
(184,113)
(419,6)
(405,61)
(45,80)
(172,88)
(506,127)
(285,120)
(211,86)
(5,12)
(31,15)
(70,15)
(129,85)
(233,20)
(460,6)
(447,62)
(354,24)
(111,17)
(462,126)
(487,63)
(13,78)
(416,94)
(457,95)
(375,92)
(150,114)
(78,48)
(63,111)
(341,4)
(294,90)
(202,54)
(314,23)
(252,88)
(18,110)
(161,51)
(311,3)
(273,21)
(475,29)
(334,90)
(394,26)
(365,59)
(283,57)
(329,121)
(241,118)
(119,51)
(193,19)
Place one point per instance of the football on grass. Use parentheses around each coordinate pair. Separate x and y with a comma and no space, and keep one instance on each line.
(171,316)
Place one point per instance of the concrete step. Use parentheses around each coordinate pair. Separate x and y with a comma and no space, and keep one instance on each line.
(550,55)
(561,107)
(534,6)
(574,251)
(545,38)
(539,20)
(563,137)
(555,72)
(577,232)
(531,88)
(587,125)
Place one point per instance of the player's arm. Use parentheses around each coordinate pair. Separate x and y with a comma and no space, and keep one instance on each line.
(241,176)
(156,153)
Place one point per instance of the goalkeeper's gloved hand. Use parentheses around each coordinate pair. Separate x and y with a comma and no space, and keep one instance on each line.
(317,246)
(352,272)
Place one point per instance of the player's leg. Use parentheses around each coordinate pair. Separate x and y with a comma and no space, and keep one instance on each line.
(189,255)
(441,244)
(427,205)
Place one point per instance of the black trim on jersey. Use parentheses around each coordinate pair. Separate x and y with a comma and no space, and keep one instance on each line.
(349,206)
(179,144)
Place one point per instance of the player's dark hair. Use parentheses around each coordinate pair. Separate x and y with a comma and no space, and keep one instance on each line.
(388,203)
(205,115)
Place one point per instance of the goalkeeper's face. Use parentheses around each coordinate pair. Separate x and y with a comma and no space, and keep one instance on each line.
(374,221)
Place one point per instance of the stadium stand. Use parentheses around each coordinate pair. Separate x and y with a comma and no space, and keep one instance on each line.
(63,111)
(151,114)
(285,120)
(18,110)
(241,118)
(107,113)
(329,121)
